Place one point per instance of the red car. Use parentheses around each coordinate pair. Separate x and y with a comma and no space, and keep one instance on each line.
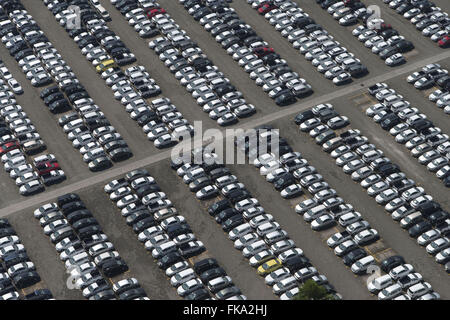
(153,12)
(263,51)
(266,7)
(7,147)
(46,167)
(444,42)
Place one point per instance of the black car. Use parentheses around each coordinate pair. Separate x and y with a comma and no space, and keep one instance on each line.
(357,70)
(120,154)
(226,214)
(387,52)
(71,206)
(14,258)
(303,116)
(89,231)
(26,279)
(211,274)
(143,224)
(169,259)
(296,263)
(39,294)
(204,265)
(114,267)
(58,106)
(132,294)
(438,217)
(390,121)
(48,91)
(100,163)
(83,223)
(419,228)
(77,215)
(218,206)
(238,195)
(404,46)
(286,98)
(354,256)
(177,229)
(390,263)
(232,222)
(284,181)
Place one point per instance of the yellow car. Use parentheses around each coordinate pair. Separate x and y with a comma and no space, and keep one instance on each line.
(105,65)
(269,266)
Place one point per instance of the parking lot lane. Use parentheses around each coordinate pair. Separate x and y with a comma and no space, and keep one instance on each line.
(392,234)
(43,254)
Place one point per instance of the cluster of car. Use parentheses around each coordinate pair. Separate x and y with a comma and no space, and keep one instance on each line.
(168,237)
(431,20)
(389,186)
(253,54)
(400,282)
(212,91)
(131,86)
(426,142)
(326,54)
(19,139)
(401,198)
(6,78)
(79,126)
(16,270)
(376,35)
(427,78)
(23,39)
(254,232)
(87,253)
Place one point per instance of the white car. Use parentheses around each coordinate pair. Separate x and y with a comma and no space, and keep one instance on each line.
(395,60)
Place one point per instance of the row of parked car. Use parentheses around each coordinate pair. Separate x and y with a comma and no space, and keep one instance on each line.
(131,86)
(366,165)
(253,54)
(254,232)
(425,79)
(376,35)
(212,91)
(427,143)
(326,54)
(17,272)
(88,255)
(401,198)
(429,19)
(324,209)
(6,78)
(78,125)
(168,237)
(18,141)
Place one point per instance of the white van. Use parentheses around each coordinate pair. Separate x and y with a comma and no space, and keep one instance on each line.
(239,231)
(418,290)
(315,212)
(380,283)
(390,292)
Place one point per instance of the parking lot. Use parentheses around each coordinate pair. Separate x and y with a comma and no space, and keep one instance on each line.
(350,100)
